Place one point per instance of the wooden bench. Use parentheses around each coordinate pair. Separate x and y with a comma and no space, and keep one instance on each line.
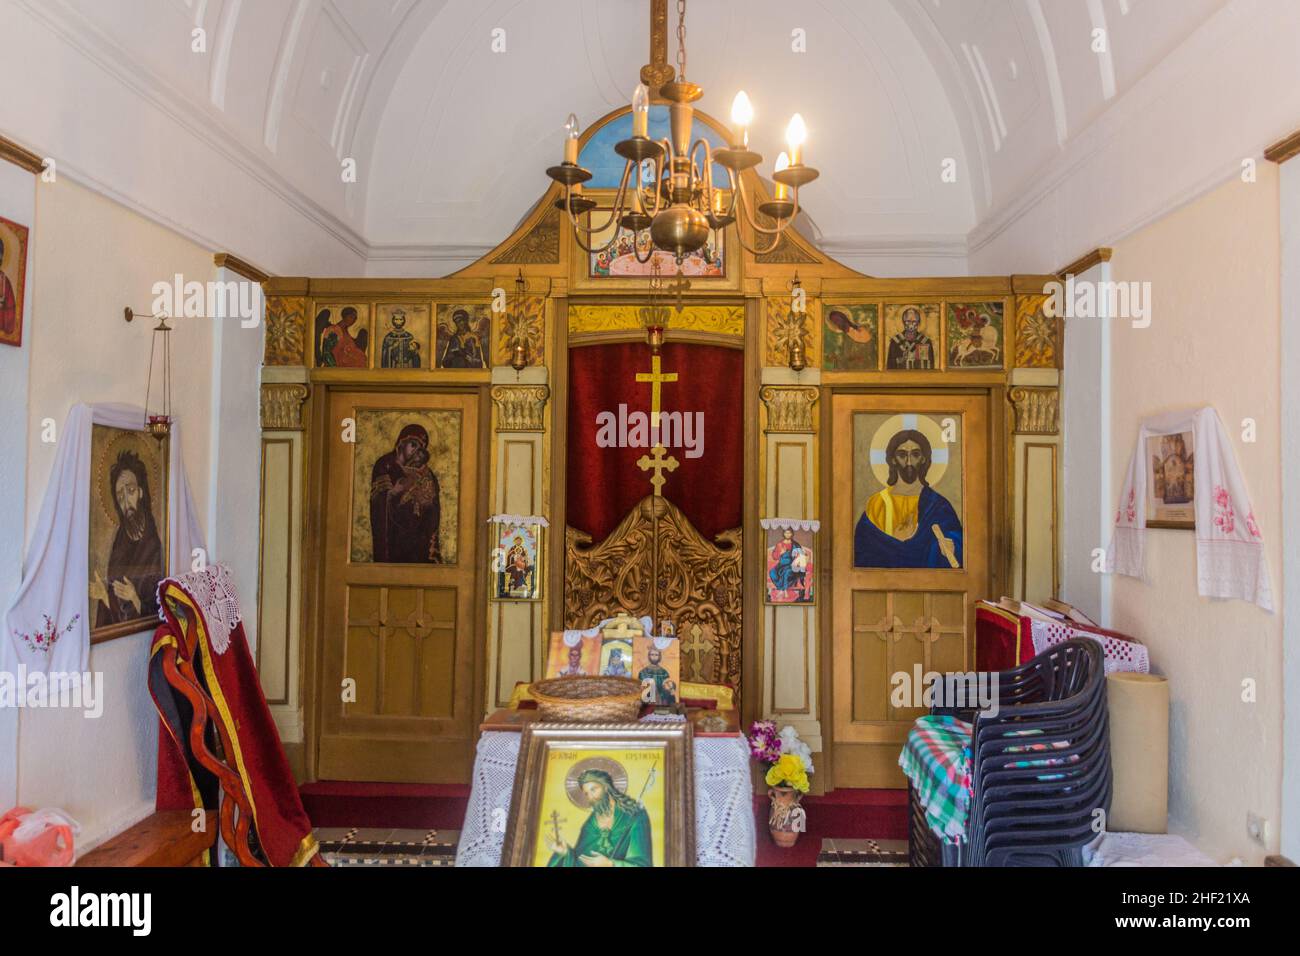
(165,839)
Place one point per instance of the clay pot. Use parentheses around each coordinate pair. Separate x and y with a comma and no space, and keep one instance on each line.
(788,819)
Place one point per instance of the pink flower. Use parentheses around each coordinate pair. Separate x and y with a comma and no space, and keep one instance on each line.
(1251,525)
(1225,520)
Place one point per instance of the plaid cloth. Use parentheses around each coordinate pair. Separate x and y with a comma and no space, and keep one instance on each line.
(936,759)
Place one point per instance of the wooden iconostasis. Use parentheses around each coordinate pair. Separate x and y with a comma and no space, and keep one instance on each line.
(394,424)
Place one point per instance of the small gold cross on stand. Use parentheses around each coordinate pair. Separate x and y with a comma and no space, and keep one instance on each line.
(657,463)
(679,285)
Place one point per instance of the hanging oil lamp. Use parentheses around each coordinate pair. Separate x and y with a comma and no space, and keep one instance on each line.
(158,418)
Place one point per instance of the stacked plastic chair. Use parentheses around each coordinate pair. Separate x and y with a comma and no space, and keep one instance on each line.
(1040,769)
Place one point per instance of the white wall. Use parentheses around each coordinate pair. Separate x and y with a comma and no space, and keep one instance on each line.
(1289,189)
(1181,129)
(92,257)
(1085,458)
(17,204)
(121,123)
(234,472)
(1214,339)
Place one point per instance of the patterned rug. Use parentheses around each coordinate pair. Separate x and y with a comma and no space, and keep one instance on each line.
(862,853)
(386,846)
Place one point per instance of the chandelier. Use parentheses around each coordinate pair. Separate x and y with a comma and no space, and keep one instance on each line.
(667,185)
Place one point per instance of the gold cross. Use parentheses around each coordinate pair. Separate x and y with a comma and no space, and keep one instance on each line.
(555,821)
(658,464)
(656,377)
(678,286)
(697,646)
(624,626)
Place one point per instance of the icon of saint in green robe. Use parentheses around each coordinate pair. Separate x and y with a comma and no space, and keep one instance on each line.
(615,833)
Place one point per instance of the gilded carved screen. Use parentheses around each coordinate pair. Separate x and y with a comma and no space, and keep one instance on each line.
(697,585)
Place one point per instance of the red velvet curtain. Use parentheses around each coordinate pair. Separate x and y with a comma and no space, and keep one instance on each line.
(604,483)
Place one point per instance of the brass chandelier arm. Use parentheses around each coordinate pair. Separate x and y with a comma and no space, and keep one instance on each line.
(618,205)
(656,190)
(707,169)
(776,234)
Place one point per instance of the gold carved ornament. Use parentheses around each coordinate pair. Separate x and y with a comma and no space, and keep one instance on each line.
(286,324)
(789,408)
(787,328)
(521,408)
(1037,410)
(786,251)
(1038,335)
(715,319)
(698,585)
(282,407)
(522,325)
(539,246)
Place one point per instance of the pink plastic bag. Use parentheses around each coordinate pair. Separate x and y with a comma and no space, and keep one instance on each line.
(37,838)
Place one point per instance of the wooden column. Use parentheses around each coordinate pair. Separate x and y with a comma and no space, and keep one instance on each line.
(790,649)
(517,629)
(284,403)
(1035,447)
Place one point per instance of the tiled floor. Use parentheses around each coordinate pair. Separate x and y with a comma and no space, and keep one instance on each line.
(387,846)
(862,853)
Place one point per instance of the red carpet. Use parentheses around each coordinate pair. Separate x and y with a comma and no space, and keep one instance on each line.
(334,803)
(841,814)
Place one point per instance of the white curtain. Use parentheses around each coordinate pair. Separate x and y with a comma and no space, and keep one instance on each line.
(56,573)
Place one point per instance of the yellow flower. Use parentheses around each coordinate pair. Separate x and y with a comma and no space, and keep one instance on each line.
(788,770)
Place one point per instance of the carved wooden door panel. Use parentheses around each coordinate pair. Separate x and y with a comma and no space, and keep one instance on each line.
(697,587)
(400,552)
(911,555)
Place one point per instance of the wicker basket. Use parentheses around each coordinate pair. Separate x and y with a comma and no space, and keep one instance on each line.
(583,700)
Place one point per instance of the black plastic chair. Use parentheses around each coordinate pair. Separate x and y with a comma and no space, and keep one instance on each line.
(1032,807)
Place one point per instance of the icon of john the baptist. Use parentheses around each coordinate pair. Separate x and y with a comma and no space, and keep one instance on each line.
(907,524)
(615,833)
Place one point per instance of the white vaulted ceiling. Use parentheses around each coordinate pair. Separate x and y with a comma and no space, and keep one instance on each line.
(451,138)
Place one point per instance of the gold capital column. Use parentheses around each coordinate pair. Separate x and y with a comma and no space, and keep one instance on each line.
(790,648)
(285,393)
(517,629)
(1035,445)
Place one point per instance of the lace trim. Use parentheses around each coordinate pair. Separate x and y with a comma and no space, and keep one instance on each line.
(213,590)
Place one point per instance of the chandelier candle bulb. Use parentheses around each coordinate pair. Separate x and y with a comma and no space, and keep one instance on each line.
(571,140)
(795,135)
(742,114)
(641,110)
(782,190)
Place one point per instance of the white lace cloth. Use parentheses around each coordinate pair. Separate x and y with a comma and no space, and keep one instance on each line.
(213,590)
(1120,655)
(724,805)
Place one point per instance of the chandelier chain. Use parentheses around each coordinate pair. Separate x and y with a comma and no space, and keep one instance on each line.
(681,40)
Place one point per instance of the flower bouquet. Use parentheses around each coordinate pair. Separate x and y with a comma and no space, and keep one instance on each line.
(789,762)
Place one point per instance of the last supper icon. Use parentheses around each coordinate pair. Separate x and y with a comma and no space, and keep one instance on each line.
(907,471)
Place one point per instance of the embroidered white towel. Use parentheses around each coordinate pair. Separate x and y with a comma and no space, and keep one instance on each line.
(55,590)
(1230,560)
